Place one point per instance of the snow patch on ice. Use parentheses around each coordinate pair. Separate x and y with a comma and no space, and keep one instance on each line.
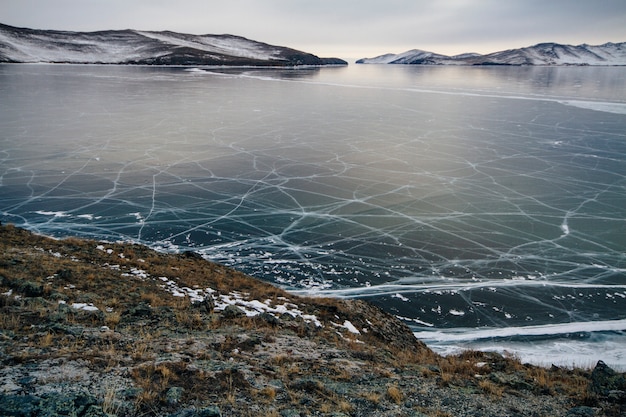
(619,108)
(400,297)
(52,213)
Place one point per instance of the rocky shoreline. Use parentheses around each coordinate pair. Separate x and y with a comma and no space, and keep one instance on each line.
(99,329)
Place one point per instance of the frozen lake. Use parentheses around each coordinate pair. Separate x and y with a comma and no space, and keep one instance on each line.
(484,206)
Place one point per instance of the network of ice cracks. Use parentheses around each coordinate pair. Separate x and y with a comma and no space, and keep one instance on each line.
(460,201)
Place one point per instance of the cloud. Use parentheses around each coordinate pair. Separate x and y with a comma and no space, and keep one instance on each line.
(378,26)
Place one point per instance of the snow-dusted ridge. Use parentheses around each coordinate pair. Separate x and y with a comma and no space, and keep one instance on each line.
(22,45)
(609,54)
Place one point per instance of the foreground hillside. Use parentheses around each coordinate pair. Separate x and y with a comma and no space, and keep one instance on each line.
(98,329)
(23,45)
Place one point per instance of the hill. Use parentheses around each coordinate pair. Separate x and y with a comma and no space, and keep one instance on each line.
(23,45)
(99,329)
(609,54)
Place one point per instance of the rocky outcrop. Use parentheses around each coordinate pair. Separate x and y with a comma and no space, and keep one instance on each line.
(608,383)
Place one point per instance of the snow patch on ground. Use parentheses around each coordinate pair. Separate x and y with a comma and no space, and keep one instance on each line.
(85,307)
(255,307)
(250,307)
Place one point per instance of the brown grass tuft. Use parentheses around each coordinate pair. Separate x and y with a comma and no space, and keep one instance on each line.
(394,394)
(496,390)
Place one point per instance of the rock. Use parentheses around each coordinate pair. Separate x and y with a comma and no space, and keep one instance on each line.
(31,289)
(381,325)
(208,412)
(174,395)
(60,315)
(270,319)
(18,405)
(64,273)
(50,405)
(140,310)
(62,405)
(191,255)
(95,411)
(617,395)
(289,413)
(514,380)
(9,387)
(581,412)
(605,381)
(232,312)
(207,305)
(66,329)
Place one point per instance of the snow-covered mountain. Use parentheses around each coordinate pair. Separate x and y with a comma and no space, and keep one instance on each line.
(540,54)
(21,45)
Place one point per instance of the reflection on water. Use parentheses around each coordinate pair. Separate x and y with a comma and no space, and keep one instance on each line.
(452,197)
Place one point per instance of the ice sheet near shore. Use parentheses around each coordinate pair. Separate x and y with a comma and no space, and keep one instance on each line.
(570,344)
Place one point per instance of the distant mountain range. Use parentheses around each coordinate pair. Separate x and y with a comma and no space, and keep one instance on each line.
(22,45)
(540,54)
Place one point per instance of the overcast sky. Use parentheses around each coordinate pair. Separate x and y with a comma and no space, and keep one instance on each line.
(344,28)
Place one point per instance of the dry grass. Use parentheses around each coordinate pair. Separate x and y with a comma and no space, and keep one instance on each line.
(111,403)
(495,390)
(345,406)
(373,397)
(268,393)
(341,373)
(281,360)
(154,382)
(541,378)
(403,358)
(141,350)
(191,320)
(46,340)
(10,321)
(394,394)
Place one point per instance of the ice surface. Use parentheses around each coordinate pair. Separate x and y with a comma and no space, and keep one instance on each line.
(568,344)
(454,198)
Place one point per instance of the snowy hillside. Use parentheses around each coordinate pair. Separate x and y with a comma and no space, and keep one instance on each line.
(21,45)
(414,56)
(540,54)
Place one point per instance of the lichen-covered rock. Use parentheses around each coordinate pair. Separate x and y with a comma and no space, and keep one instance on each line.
(174,395)
(606,382)
(232,312)
(582,411)
(18,405)
(140,310)
(203,412)
(50,405)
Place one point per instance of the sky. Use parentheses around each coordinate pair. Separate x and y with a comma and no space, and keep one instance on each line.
(344,28)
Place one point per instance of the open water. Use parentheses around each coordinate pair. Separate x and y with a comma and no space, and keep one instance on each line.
(485,206)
